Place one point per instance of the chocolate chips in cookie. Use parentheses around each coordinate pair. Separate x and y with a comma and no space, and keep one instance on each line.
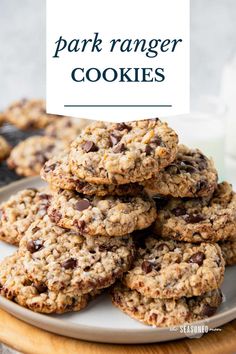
(208,219)
(191,174)
(101,216)
(29,156)
(171,269)
(107,153)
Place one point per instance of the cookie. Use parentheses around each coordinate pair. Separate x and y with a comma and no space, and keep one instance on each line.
(28,114)
(5,148)
(101,216)
(64,128)
(165,312)
(61,259)
(200,219)
(171,269)
(57,173)
(190,175)
(29,156)
(17,213)
(107,153)
(16,286)
(228,249)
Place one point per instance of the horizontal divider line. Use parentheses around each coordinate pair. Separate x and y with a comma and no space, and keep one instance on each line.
(114,105)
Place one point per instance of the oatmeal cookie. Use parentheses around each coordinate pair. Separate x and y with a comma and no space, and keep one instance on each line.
(103,216)
(65,128)
(16,286)
(17,213)
(28,114)
(191,174)
(200,219)
(171,269)
(228,249)
(57,173)
(61,259)
(165,312)
(5,148)
(29,156)
(107,153)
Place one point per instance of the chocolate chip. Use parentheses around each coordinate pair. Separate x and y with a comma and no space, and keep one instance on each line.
(34,246)
(157,266)
(173,168)
(89,146)
(179,211)
(104,248)
(157,141)
(44,196)
(35,229)
(80,224)
(201,185)
(162,246)
(50,168)
(197,258)
(190,169)
(114,139)
(193,218)
(119,148)
(148,149)
(146,267)
(55,216)
(122,126)
(202,165)
(82,204)
(70,263)
(42,288)
(79,183)
(86,269)
(208,310)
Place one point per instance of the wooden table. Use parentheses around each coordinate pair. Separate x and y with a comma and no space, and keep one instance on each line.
(28,339)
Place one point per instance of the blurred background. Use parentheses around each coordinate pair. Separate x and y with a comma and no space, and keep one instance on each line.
(213,66)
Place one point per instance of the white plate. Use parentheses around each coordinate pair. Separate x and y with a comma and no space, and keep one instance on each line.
(100,321)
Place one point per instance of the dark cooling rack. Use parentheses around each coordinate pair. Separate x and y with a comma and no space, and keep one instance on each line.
(13,136)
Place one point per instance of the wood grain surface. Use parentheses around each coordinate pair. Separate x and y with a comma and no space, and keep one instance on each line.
(28,339)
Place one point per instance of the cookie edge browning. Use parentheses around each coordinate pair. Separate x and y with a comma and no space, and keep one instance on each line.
(118,293)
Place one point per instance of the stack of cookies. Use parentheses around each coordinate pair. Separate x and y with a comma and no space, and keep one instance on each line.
(126,207)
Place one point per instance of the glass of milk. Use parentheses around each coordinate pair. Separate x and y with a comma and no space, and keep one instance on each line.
(204,129)
(228,97)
